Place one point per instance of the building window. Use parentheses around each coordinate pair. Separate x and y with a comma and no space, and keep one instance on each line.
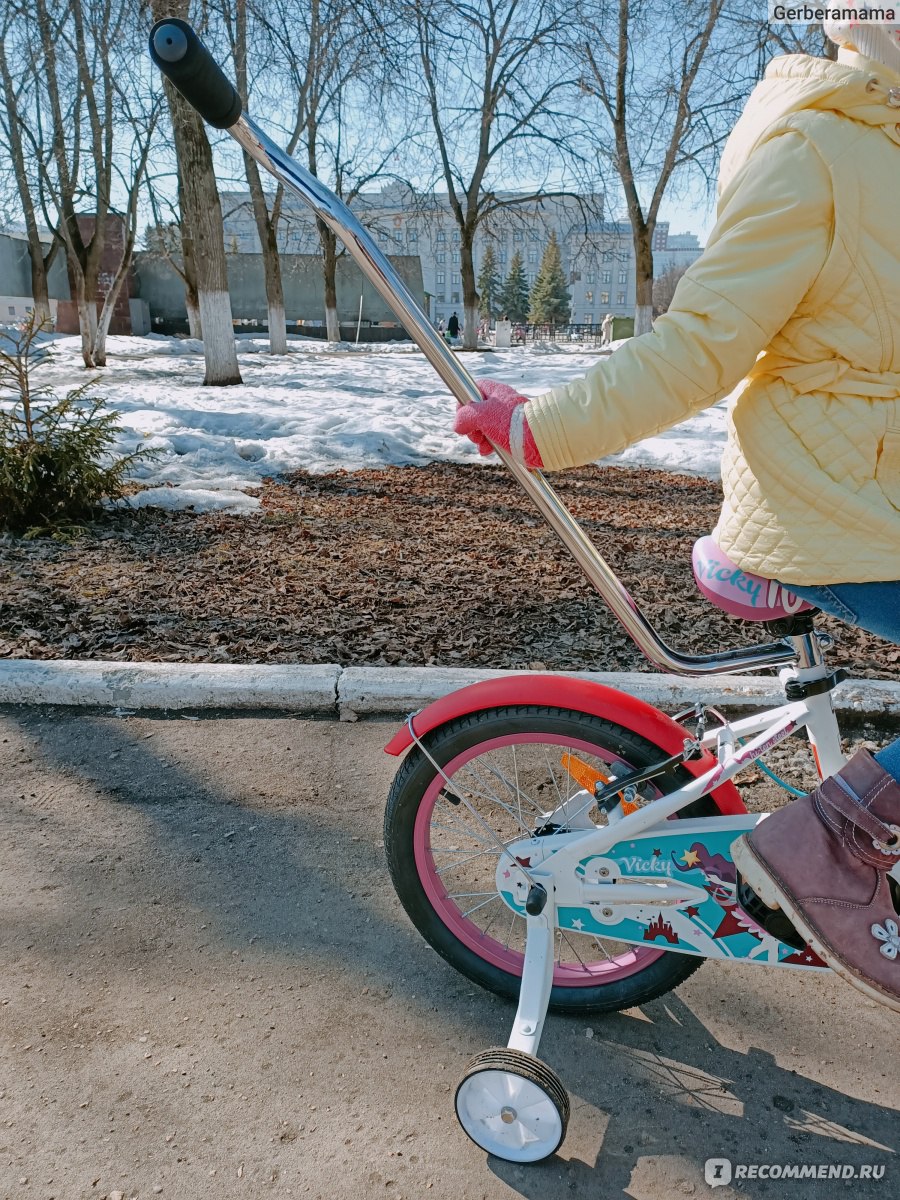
(501,256)
(589,277)
(589,318)
(456,236)
(456,256)
(12,310)
(606,276)
(534,235)
(442,257)
(532,256)
(412,235)
(454,299)
(441,236)
(604,297)
(589,296)
(440,278)
(620,299)
(623,277)
(382,236)
(517,236)
(607,255)
(456,281)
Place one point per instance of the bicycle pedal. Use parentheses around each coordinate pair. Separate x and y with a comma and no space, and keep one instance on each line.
(772,920)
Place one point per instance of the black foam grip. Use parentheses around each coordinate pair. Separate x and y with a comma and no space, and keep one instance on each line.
(186,63)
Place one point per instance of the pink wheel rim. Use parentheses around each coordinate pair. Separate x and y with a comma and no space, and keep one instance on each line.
(466,931)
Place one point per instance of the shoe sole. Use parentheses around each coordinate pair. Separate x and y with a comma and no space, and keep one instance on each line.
(759,879)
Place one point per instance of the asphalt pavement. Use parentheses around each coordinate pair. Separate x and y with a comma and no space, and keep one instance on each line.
(208,989)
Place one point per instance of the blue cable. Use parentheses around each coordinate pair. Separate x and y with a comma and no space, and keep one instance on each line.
(771,774)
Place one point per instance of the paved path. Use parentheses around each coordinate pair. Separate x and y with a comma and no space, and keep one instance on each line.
(207,989)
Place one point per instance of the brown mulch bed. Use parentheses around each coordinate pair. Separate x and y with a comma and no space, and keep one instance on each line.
(444,565)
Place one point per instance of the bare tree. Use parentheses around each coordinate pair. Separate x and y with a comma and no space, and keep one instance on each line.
(84,77)
(202,237)
(266,221)
(664,288)
(16,102)
(669,81)
(335,65)
(493,79)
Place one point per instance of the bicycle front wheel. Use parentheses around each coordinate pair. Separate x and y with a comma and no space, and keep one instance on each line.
(510,764)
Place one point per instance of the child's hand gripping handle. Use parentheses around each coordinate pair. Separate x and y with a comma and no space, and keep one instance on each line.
(190,67)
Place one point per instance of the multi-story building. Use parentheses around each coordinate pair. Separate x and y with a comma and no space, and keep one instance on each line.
(598,255)
(675,250)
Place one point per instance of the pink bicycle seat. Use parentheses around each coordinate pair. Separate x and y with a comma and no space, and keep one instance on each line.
(738,592)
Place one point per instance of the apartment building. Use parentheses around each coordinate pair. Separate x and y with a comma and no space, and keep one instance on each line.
(598,255)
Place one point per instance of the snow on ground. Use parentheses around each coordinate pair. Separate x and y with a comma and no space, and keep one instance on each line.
(320,407)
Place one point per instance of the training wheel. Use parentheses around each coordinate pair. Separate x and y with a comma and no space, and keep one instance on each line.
(513,1106)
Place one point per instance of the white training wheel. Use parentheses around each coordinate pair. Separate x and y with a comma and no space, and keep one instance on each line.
(513,1106)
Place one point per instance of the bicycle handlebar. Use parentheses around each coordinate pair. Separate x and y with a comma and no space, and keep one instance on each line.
(189,66)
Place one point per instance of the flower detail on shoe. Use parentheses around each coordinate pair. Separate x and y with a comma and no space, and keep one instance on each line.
(889,935)
(892,847)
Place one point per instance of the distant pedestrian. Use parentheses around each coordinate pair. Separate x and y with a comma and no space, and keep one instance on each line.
(606,329)
(453,326)
(441,325)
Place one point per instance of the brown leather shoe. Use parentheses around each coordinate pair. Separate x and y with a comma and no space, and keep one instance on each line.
(824,859)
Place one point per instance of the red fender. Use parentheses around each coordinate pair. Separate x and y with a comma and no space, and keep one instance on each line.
(581,695)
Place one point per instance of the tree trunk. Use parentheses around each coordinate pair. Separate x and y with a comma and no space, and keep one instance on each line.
(202,223)
(40,291)
(109,301)
(192,304)
(470,296)
(274,296)
(643,257)
(329,268)
(87,324)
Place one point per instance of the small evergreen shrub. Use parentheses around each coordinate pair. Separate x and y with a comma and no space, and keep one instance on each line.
(56,462)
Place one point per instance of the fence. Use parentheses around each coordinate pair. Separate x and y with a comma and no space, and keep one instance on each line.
(573,332)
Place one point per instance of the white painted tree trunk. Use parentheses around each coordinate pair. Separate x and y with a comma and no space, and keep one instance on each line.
(218,339)
(470,327)
(332,325)
(277,331)
(643,319)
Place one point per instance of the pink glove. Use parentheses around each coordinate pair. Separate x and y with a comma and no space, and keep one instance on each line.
(499,417)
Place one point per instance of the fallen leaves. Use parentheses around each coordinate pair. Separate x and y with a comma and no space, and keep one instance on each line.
(444,564)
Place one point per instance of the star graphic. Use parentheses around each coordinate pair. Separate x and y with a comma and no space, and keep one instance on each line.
(692,910)
(578,923)
(657,853)
(524,862)
(506,874)
(690,858)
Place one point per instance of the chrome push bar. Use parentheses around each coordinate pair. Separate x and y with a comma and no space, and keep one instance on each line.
(186,62)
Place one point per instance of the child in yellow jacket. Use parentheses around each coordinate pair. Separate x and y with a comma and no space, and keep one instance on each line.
(798,295)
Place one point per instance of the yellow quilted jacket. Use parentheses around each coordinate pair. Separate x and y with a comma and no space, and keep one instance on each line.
(798,295)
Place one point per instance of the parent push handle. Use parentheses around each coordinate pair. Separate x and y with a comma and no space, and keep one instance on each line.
(189,66)
(183,58)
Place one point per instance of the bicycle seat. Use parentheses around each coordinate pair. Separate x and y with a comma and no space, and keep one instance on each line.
(738,592)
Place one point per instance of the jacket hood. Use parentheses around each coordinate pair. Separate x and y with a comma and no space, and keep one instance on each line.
(854,87)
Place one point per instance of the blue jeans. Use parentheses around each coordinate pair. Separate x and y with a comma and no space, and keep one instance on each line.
(872,606)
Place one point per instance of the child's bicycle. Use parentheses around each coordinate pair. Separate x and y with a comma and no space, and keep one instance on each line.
(531,830)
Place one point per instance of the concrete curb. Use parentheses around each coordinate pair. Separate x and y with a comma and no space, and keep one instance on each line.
(149,685)
(352,692)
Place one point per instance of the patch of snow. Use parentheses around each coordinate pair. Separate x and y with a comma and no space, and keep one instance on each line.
(325,406)
(175,499)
